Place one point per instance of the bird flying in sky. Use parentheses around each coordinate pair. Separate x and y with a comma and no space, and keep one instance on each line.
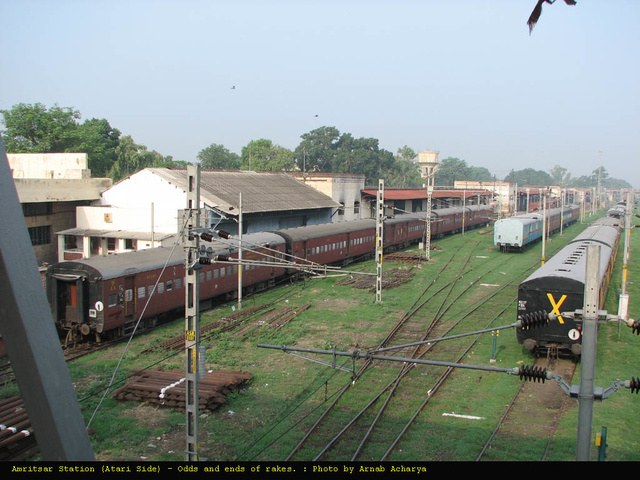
(537,11)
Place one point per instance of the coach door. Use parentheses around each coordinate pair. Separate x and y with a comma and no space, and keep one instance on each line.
(129,297)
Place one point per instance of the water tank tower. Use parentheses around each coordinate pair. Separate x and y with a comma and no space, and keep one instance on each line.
(428,161)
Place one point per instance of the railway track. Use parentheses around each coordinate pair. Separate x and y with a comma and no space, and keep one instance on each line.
(353,435)
(389,399)
(338,436)
(533,413)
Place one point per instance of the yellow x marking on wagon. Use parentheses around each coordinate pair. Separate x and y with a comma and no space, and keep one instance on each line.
(556,306)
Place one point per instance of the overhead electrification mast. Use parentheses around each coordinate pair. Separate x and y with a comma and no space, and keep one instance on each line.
(379,239)
(192,312)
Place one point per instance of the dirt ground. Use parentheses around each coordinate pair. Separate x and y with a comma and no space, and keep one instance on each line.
(538,406)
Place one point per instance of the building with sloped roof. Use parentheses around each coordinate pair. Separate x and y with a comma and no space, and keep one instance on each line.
(144,209)
(50,186)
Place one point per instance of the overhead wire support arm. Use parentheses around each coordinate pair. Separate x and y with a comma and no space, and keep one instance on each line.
(448,337)
(270,257)
(521,371)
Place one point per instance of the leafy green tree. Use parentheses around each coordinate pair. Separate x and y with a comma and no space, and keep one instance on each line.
(480,174)
(325,149)
(584,181)
(316,150)
(529,176)
(560,176)
(218,157)
(263,156)
(353,154)
(615,183)
(406,153)
(127,159)
(450,170)
(405,172)
(169,162)
(599,176)
(36,129)
(363,156)
(131,158)
(99,141)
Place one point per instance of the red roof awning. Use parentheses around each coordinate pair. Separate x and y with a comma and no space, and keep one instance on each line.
(421,193)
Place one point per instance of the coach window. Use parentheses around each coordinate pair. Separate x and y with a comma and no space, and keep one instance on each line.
(160,288)
(113,300)
(128,295)
(150,289)
(178,283)
(141,292)
(169,285)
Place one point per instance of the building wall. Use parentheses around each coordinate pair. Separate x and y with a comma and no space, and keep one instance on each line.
(50,186)
(343,188)
(49,165)
(140,219)
(142,189)
(43,221)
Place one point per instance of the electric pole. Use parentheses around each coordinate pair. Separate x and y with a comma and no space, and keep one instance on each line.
(192,313)
(379,239)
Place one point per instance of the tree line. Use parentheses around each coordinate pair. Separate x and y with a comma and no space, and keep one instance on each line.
(34,128)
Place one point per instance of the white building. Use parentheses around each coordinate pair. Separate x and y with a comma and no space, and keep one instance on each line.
(144,209)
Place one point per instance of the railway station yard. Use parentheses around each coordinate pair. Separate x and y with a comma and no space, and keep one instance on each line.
(266,417)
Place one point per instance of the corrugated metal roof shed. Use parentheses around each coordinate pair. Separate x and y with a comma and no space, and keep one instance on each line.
(261,192)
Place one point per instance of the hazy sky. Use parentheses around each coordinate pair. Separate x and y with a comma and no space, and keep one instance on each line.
(462,77)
